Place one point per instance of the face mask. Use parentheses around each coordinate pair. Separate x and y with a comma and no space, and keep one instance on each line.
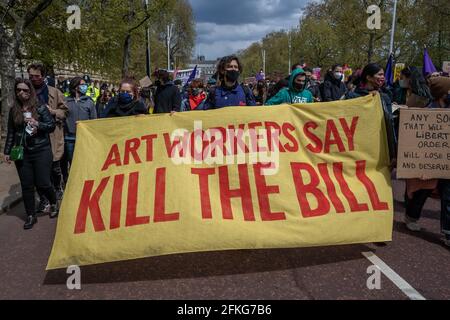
(83,88)
(232,75)
(403,84)
(125,97)
(338,75)
(299,86)
(37,83)
(196,92)
(380,82)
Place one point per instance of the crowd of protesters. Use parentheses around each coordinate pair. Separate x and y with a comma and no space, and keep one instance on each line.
(42,122)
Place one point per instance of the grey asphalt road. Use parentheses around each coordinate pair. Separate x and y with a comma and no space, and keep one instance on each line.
(336,273)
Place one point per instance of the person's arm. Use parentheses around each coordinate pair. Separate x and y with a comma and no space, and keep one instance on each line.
(327,95)
(250,98)
(176,105)
(61,110)
(46,122)
(277,99)
(93,111)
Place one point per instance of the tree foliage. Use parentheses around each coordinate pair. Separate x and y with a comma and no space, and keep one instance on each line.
(335,31)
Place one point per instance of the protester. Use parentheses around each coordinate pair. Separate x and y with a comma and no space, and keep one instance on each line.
(312,84)
(418,191)
(277,87)
(54,100)
(167,96)
(29,125)
(92,90)
(296,93)
(229,92)
(260,93)
(196,96)
(126,103)
(103,101)
(81,107)
(333,88)
(372,80)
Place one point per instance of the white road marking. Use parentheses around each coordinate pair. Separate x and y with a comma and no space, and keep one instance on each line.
(394,277)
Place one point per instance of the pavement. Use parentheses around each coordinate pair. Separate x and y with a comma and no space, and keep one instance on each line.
(332,273)
(10,191)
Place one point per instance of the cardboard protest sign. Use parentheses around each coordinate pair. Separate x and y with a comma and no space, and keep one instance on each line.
(424,143)
(235,178)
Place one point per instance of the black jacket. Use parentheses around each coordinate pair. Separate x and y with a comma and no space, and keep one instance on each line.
(115,109)
(40,140)
(167,98)
(332,88)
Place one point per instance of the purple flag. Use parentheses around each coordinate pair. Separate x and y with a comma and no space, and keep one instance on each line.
(428,66)
(389,74)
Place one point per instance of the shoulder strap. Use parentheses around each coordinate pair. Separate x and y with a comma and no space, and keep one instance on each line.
(212,97)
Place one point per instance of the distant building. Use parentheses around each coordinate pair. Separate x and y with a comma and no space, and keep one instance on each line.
(207,68)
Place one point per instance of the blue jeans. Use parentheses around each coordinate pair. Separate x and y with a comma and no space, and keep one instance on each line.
(69,148)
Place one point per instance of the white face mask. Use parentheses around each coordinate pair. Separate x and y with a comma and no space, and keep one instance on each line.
(338,75)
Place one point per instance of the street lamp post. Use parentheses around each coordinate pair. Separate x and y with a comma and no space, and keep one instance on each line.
(391,48)
(169,38)
(147,53)
(290,47)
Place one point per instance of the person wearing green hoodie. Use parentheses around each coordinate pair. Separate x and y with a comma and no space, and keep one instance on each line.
(296,93)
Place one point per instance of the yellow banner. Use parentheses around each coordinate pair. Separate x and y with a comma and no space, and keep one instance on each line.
(236,178)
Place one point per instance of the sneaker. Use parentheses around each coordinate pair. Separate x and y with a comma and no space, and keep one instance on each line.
(43,206)
(411,224)
(447,242)
(54,210)
(31,221)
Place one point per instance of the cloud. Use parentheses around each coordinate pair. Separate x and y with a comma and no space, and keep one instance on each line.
(226,26)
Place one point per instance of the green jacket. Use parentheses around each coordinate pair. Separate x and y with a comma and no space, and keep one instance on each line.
(290,95)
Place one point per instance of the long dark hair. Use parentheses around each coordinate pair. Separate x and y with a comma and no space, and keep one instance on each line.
(17,108)
(74,83)
(370,70)
(418,83)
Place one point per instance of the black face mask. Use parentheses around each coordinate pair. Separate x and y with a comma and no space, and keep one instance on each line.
(299,86)
(158,83)
(232,75)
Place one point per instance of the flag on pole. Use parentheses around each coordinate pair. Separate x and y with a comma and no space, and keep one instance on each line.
(389,74)
(192,76)
(428,66)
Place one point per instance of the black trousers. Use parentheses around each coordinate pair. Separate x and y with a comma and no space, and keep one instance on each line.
(56,179)
(444,188)
(35,171)
(415,205)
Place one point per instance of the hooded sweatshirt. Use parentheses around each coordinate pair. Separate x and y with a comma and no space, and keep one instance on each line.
(291,95)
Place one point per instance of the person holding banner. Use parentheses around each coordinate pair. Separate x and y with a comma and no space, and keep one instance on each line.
(229,93)
(127,103)
(372,81)
(28,145)
(296,93)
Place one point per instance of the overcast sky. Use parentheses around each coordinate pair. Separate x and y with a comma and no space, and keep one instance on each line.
(225,26)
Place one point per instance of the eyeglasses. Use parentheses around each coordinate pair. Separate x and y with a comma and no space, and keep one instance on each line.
(18,90)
